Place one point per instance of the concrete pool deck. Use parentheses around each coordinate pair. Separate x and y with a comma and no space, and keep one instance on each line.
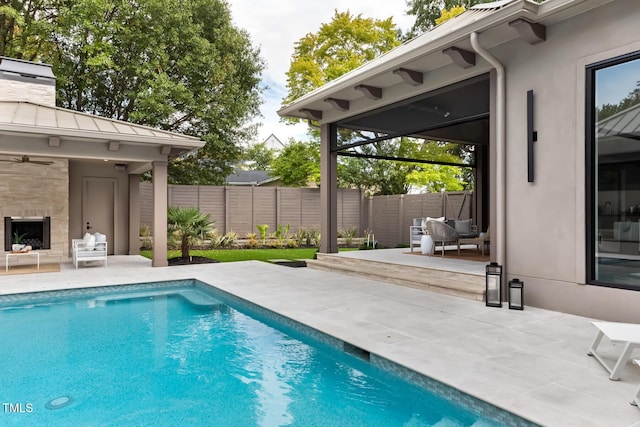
(533,363)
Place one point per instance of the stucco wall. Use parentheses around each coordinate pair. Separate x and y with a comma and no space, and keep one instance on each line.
(546,218)
(28,189)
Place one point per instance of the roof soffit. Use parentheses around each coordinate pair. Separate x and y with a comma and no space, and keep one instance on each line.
(424,54)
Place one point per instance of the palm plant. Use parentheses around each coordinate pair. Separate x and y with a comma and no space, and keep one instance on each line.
(188,223)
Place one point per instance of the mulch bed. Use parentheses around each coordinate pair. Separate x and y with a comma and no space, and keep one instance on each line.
(191,260)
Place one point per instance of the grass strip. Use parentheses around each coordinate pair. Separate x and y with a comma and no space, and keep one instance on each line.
(232,255)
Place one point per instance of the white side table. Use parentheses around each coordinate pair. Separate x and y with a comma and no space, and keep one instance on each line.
(21,254)
(426,245)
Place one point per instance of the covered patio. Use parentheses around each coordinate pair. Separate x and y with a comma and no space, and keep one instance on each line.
(78,172)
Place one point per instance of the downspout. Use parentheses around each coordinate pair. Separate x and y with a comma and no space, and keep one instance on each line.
(500,120)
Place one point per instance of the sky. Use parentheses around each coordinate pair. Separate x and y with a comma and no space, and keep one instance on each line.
(275,26)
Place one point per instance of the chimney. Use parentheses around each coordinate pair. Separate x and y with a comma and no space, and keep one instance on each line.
(27,81)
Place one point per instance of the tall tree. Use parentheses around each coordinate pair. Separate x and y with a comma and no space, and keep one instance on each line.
(25,28)
(427,12)
(298,164)
(345,43)
(338,47)
(178,65)
(258,157)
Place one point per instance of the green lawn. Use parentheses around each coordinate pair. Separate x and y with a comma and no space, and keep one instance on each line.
(231,255)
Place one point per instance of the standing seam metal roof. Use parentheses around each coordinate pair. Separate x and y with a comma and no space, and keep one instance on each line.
(27,117)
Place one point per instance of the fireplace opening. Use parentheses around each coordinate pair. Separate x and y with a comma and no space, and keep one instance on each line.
(34,231)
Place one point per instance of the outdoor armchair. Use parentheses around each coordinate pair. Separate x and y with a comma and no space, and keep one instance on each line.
(442,234)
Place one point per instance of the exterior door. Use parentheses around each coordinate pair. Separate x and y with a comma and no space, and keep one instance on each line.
(98,207)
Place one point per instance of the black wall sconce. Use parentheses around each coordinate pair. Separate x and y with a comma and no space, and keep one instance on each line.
(516,294)
(493,285)
(532,136)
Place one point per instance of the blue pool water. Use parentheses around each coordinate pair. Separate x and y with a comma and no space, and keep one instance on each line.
(180,354)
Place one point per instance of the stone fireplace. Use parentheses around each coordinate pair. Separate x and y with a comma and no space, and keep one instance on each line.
(31,231)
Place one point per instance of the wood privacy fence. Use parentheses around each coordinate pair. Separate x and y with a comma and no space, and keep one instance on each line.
(240,209)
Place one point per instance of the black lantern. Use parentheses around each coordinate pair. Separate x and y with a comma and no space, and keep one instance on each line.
(516,294)
(493,291)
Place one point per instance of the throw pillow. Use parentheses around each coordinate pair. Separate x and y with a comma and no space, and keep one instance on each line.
(89,241)
(463,226)
(441,219)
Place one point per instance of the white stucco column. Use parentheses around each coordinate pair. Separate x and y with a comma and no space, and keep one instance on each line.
(328,189)
(134,214)
(160,214)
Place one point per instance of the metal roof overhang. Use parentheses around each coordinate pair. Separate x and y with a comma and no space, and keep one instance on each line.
(34,129)
(451,103)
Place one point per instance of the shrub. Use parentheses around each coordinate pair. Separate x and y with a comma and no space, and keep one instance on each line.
(225,241)
(252,244)
(263,229)
(292,244)
(187,224)
(145,233)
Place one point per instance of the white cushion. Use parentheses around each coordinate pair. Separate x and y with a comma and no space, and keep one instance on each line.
(441,219)
(89,241)
(100,238)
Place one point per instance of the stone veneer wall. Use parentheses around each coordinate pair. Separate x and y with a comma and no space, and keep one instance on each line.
(32,92)
(38,190)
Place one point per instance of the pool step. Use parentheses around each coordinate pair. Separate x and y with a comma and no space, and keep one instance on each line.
(192,295)
(466,285)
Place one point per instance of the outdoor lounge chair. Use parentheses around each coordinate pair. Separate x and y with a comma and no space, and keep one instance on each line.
(624,333)
(442,234)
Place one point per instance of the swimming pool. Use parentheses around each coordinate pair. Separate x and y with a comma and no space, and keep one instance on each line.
(183,353)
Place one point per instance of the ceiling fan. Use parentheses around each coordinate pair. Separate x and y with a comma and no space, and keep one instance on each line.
(25,159)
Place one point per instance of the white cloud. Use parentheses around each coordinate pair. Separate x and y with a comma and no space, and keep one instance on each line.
(275,26)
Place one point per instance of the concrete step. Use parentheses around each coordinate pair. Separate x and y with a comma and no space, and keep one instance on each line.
(471,286)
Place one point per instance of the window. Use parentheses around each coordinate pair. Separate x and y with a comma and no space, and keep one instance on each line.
(613,177)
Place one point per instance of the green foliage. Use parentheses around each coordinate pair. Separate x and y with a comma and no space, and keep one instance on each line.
(252,243)
(304,237)
(145,233)
(434,178)
(628,101)
(282,234)
(177,65)
(263,230)
(231,255)
(225,241)
(298,164)
(188,224)
(338,47)
(17,237)
(258,157)
(427,12)
(445,14)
